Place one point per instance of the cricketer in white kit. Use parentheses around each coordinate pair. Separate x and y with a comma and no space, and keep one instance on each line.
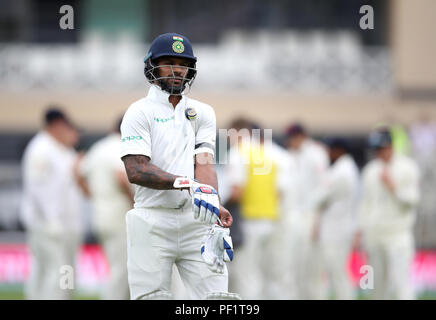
(336,203)
(311,160)
(51,207)
(387,213)
(168,140)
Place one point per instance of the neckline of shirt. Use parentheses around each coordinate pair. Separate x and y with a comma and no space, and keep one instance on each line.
(157,94)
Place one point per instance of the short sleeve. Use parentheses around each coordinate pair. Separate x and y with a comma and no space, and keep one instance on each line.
(85,165)
(135,133)
(206,132)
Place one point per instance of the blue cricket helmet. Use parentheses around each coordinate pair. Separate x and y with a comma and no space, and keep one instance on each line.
(170,45)
(379,139)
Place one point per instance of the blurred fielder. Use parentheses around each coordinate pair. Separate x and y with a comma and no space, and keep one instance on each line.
(167,141)
(311,162)
(336,203)
(390,195)
(102,176)
(51,206)
(258,169)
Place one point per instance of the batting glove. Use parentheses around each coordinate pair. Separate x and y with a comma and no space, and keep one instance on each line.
(217,248)
(205,201)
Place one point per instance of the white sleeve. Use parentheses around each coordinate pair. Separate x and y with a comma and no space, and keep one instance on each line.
(85,164)
(206,132)
(364,203)
(407,189)
(236,168)
(135,134)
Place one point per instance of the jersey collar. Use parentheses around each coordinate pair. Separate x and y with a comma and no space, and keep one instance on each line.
(157,94)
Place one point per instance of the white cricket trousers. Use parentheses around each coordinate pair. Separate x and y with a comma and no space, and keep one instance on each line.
(158,238)
(307,278)
(391,257)
(254,260)
(115,249)
(335,256)
(49,253)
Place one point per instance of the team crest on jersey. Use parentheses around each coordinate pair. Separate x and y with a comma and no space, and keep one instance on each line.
(178,47)
(191,114)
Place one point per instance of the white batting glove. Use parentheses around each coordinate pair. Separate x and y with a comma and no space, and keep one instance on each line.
(217,248)
(205,201)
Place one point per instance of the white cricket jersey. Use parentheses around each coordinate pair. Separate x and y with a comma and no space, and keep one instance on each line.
(312,162)
(154,128)
(50,194)
(382,211)
(339,198)
(100,166)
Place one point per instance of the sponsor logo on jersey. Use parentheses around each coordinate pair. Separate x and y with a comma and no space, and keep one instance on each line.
(163,119)
(130,138)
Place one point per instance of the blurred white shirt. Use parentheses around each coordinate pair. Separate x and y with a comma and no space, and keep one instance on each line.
(99,166)
(381,211)
(339,199)
(51,198)
(311,162)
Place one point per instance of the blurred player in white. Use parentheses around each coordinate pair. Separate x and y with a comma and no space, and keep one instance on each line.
(51,206)
(167,141)
(336,203)
(102,176)
(258,171)
(390,195)
(311,160)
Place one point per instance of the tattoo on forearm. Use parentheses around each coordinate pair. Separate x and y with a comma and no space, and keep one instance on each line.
(140,171)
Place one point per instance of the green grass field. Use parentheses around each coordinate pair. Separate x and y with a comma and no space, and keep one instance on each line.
(15,292)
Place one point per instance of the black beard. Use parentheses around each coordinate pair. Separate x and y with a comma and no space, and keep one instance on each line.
(171,89)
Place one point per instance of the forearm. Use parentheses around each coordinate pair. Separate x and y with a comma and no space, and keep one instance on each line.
(205,171)
(141,172)
(124,184)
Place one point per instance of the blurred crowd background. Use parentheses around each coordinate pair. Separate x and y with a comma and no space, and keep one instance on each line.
(272,63)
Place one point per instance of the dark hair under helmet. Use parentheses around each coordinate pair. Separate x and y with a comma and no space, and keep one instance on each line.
(170,45)
(379,139)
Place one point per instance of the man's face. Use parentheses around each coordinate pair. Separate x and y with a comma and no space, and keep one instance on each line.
(65,133)
(295,141)
(174,72)
(385,154)
(335,153)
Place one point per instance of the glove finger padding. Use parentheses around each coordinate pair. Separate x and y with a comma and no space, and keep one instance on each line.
(196,206)
(210,209)
(228,248)
(217,248)
(203,207)
(213,209)
(205,200)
